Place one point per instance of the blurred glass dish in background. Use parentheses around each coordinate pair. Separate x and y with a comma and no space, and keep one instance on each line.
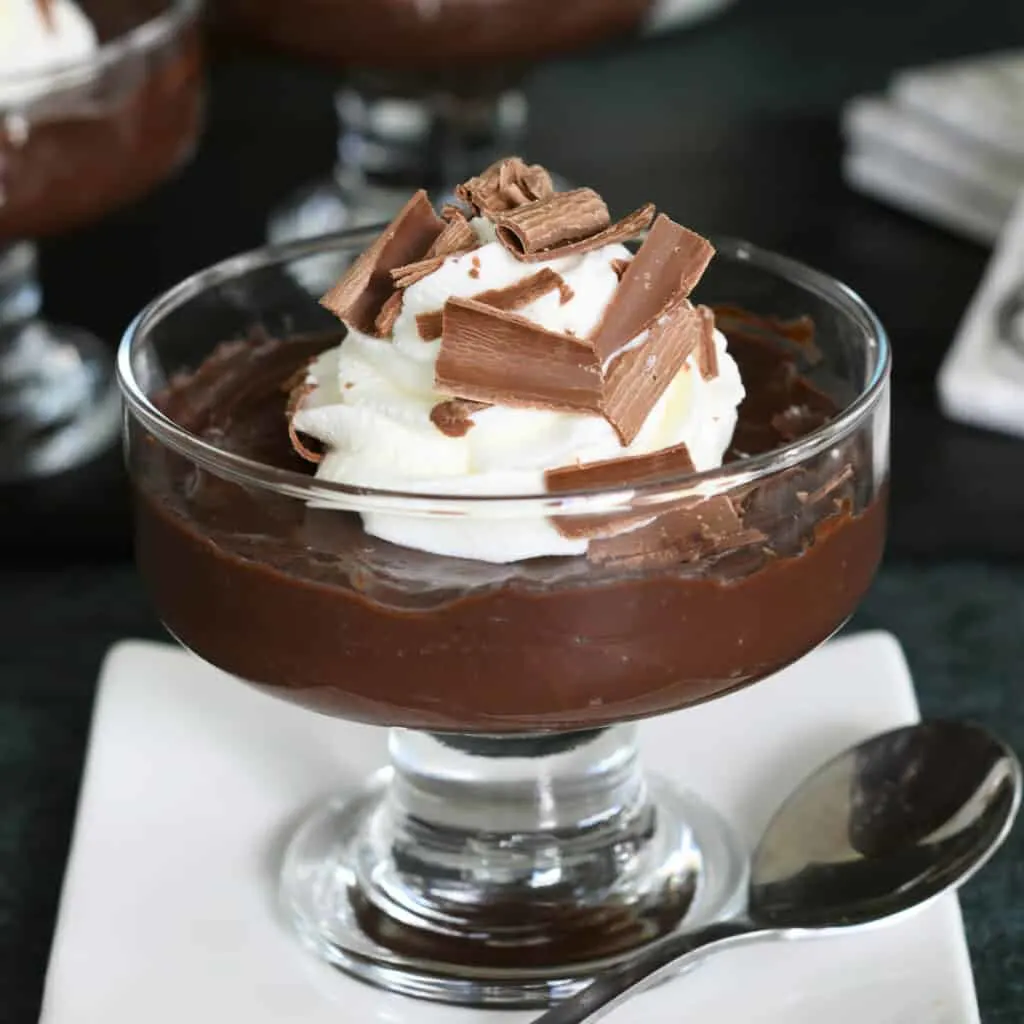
(98,104)
(432,91)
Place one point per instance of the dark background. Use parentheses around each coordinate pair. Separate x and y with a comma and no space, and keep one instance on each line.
(732,128)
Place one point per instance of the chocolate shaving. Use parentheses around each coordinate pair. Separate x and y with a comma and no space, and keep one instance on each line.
(295,399)
(360,294)
(665,269)
(685,533)
(621,231)
(454,416)
(630,470)
(492,355)
(410,273)
(548,223)
(457,236)
(619,267)
(800,330)
(830,486)
(639,376)
(389,313)
(565,293)
(505,185)
(707,353)
(514,296)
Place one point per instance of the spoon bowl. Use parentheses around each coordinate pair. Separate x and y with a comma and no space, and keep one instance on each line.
(879,831)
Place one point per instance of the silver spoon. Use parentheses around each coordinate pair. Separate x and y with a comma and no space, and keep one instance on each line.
(878,831)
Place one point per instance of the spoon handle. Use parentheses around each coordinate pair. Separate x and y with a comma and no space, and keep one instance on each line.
(668,956)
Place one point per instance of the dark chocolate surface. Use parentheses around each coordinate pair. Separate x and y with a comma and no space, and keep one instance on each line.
(303,602)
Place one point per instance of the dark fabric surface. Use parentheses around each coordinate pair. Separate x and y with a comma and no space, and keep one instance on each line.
(731,127)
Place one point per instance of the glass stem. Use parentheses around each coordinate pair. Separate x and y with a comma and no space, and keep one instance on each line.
(396,140)
(20,293)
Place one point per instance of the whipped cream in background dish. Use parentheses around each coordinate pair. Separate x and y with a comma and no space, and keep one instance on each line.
(386,418)
(36,37)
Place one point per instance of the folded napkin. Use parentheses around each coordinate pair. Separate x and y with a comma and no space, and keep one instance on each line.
(982,377)
(945,143)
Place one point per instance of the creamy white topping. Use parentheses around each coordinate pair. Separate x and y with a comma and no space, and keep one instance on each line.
(32,44)
(372,401)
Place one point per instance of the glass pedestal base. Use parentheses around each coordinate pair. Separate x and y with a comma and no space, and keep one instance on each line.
(506,872)
(59,403)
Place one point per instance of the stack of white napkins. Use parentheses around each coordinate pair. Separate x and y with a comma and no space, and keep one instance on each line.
(945,143)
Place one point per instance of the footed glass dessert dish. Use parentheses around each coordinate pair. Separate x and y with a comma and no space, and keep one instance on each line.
(508,640)
(98,104)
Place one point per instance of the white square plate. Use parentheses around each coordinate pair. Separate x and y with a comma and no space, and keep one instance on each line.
(193,781)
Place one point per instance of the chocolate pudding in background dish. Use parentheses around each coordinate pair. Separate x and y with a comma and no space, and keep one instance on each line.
(553,405)
(99,102)
(410,35)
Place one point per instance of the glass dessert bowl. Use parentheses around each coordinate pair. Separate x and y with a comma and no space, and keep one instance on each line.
(515,845)
(98,104)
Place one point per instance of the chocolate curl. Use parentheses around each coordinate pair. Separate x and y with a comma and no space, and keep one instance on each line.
(494,356)
(665,269)
(515,296)
(548,223)
(296,397)
(457,236)
(707,353)
(389,313)
(410,273)
(639,377)
(360,294)
(505,185)
(454,417)
(622,231)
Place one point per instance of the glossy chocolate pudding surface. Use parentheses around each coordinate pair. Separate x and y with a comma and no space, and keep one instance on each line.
(72,155)
(303,602)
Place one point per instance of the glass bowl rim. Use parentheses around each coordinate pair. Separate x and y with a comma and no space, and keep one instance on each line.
(293,484)
(145,36)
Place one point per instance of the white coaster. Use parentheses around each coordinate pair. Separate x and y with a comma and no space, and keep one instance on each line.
(981,381)
(194,781)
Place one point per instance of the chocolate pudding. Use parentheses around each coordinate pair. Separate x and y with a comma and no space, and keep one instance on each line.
(305,603)
(108,133)
(412,36)
(510,346)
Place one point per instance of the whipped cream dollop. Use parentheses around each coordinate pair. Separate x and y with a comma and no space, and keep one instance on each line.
(369,403)
(36,38)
